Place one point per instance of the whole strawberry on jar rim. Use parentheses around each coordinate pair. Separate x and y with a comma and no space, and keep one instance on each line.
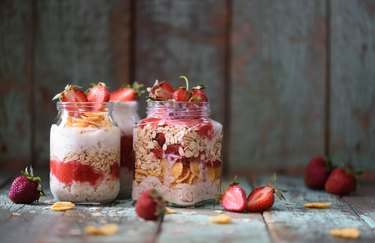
(177,146)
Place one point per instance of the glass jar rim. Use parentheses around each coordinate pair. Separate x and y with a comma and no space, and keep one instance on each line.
(84,106)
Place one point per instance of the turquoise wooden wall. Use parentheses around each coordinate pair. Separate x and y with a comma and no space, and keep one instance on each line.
(288,79)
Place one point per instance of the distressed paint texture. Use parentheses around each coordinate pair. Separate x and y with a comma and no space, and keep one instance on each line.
(353,82)
(185,37)
(15,81)
(277,83)
(77,42)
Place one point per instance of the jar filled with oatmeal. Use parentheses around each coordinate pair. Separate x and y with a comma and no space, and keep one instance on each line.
(84,153)
(125,115)
(178,152)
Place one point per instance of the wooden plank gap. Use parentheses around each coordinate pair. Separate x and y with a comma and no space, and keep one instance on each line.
(358,214)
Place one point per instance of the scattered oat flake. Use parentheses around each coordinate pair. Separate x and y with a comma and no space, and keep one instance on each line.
(97,214)
(16,214)
(220,219)
(107,229)
(219,211)
(62,206)
(318,205)
(170,211)
(347,233)
(189,213)
(32,211)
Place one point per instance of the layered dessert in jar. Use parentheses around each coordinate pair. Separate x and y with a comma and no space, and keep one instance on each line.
(178,147)
(125,107)
(84,148)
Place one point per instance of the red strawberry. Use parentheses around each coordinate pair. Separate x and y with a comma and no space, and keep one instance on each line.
(172,149)
(98,93)
(234,198)
(317,172)
(198,95)
(182,94)
(26,189)
(127,93)
(160,138)
(206,130)
(150,205)
(262,198)
(158,153)
(342,181)
(71,94)
(161,91)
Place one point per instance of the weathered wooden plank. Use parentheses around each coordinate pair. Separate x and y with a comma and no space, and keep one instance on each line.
(277,83)
(184,37)
(16,20)
(352,81)
(363,203)
(291,222)
(192,225)
(77,42)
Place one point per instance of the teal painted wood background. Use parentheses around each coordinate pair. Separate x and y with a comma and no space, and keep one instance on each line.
(288,79)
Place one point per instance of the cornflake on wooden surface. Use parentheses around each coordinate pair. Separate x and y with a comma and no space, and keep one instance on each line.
(347,233)
(320,205)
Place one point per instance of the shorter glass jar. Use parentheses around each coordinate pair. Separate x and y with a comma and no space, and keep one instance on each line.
(84,153)
(125,115)
(178,152)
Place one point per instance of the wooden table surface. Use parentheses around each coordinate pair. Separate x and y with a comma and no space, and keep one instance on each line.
(285,222)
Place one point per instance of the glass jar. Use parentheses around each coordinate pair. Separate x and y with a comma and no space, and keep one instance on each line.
(178,152)
(84,153)
(125,115)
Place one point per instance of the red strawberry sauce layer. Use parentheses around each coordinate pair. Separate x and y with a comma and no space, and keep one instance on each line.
(127,153)
(74,171)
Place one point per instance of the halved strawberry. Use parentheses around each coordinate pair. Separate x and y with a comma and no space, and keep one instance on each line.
(198,95)
(234,197)
(206,130)
(71,93)
(160,138)
(161,91)
(262,198)
(98,93)
(127,92)
(182,94)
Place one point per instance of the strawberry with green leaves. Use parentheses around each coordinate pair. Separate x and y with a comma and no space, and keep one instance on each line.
(127,92)
(150,205)
(198,94)
(161,91)
(262,198)
(317,172)
(71,93)
(182,94)
(342,181)
(98,92)
(26,188)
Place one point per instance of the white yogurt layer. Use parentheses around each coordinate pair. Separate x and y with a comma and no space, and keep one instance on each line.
(104,192)
(72,140)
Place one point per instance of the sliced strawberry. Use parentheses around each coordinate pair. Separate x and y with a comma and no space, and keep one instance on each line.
(98,93)
(182,94)
(161,91)
(71,93)
(206,130)
(160,138)
(262,198)
(127,93)
(234,198)
(158,153)
(198,95)
(172,149)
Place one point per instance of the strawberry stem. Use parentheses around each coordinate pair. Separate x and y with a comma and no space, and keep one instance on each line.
(186,81)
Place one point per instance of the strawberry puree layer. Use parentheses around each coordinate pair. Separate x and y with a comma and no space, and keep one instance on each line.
(127,153)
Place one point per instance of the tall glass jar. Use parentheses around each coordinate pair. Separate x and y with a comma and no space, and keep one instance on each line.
(84,153)
(126,115)
(178,152)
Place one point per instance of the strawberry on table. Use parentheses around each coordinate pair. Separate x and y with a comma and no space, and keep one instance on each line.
(26,188)
(150,205)
(182,94)
(342,181)
(71,93)
(98,93)
(161,91)
(262,198)
(234,197)
(127,92)
(317,172)
(198,94)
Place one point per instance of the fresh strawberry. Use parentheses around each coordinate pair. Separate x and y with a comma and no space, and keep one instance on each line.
(317,172)
(342,181)
(98,93)
(160,138)
(198,95)
(262,198)
(71,93)
(205,129)
(234,198)
(158,153)
(161,91)
(26,188)
(172,149)
(150,205)
(182,94)
(127,93)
